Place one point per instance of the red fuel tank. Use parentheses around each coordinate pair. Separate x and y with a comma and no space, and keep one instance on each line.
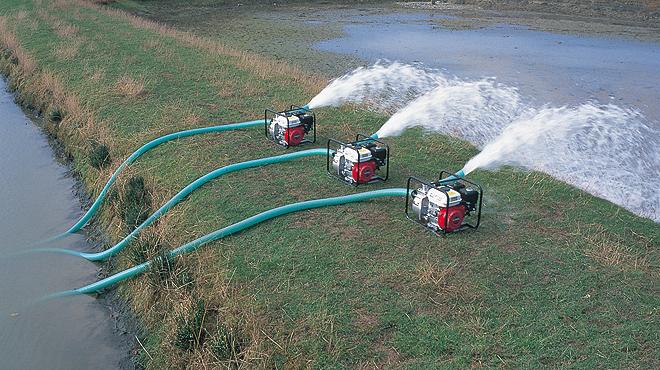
(363,172)
(294,135)
(455,219)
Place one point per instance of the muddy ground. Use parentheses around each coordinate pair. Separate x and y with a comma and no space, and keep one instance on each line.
(630,12)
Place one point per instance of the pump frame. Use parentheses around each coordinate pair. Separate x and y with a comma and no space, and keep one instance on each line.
(292,108)
(465,225)
(359,138)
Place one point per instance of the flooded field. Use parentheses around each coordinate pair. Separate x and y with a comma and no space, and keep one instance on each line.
(546,67)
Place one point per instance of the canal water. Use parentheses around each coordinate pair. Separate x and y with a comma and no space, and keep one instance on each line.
(38,200)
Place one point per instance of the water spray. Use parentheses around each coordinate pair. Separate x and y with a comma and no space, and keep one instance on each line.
(384,86)
(587,145)
(475,111)
(606,150)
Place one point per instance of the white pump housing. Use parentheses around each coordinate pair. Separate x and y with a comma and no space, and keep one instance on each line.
(440,198)
(280,120)
(427,203)
(352,155)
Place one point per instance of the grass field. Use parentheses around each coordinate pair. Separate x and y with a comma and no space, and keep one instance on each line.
(553,278)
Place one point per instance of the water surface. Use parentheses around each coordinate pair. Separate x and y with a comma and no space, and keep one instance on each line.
(548,68)
(37,200)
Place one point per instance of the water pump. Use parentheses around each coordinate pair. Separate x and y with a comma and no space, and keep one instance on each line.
(290,127)
(358,162)
(444,206)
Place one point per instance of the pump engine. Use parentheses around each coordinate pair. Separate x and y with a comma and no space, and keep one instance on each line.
(290,127)
(358,162)
(446,205)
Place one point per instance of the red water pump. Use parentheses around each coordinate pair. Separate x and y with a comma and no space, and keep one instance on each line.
(358,162)
(444,206)
(290,127)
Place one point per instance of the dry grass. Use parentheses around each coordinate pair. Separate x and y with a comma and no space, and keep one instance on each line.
(652,4)
(7,39)
(448,288)
(609,251)
(60,4)
(31,24)
(61,28)
(66,30)
(153,43)
(222,309)
(98,74)
(178,300)
(24,63)
(611,254)
(130,87)
(66,51)
(224,88)
(20,15)
(430,273)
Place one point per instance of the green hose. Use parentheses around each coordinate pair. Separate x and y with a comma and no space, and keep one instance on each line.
(181,195)
(232,229)
(143,149)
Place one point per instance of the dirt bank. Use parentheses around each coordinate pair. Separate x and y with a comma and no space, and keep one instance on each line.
(632,19)
(639,12)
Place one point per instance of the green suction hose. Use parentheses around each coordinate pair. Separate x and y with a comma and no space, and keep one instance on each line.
(181,195)
(232,229)
(143,149)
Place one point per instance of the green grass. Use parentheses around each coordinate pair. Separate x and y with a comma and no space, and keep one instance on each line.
(349,286)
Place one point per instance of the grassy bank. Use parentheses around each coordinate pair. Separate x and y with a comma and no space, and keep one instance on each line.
(555,277)
(283,32)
